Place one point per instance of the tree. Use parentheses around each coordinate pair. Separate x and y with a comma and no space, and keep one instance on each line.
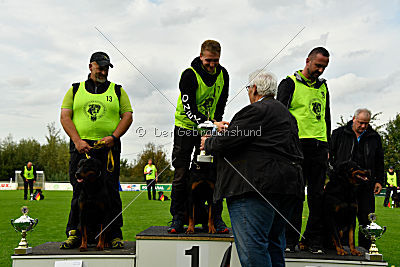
(157,154)
(391,143)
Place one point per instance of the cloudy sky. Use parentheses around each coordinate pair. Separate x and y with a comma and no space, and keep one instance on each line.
(45,46)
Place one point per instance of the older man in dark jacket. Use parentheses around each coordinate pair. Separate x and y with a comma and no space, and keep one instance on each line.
(357,141)
(259,173)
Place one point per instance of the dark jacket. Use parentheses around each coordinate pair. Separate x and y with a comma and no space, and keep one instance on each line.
(368,153)
(285,95)
(262,143)
(188,86)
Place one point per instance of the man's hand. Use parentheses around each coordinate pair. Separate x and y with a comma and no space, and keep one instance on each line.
(221,125)
(390,185)
(108,141)
(82,146)
(203,140)
(378,188)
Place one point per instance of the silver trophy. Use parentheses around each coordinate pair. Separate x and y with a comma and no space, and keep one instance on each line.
(24,224)
(373,232)
(205,128)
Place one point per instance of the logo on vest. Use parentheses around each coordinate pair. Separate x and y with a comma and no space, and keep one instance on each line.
(316,108)
(94,110)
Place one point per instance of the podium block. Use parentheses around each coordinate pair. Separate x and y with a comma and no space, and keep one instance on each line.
(155,246)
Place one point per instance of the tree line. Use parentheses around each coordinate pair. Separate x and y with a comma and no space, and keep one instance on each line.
(53,156)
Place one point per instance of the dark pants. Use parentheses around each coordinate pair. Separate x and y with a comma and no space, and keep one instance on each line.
(111,181)
(314,175)
(259,231)
(26,183)
(184,142)
(366,205)
(387,196)
(151,184)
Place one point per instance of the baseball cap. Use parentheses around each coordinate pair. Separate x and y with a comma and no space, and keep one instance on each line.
(101,58)
(391,167)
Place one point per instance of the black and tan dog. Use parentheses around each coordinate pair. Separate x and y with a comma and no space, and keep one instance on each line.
(340,205)
(200,192)
(93,202)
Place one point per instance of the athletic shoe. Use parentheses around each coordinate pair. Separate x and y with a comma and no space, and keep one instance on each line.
(220,226)
(316,250)
(290,249)
(117,243)
(73,241)
(175,227)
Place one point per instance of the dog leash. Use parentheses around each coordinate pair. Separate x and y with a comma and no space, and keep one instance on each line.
(110,158)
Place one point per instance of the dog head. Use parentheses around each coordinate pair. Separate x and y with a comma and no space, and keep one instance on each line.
(351,172)
(88,170)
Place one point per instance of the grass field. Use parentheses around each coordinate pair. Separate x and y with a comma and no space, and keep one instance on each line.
(53,214)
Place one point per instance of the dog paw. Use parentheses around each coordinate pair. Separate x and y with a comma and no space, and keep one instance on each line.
(99,248)
(355,252)
(83,249)
(302,246)
(341,252)
(190,231)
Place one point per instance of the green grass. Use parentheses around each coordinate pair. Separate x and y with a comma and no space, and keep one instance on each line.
(141,214)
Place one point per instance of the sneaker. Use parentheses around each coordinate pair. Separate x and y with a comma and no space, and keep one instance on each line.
(290,249)
(73,240)
(175,227)
(117,243)
(220,226)
(316,250)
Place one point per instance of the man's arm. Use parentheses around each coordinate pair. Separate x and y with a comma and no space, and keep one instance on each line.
(188,86)
(69,128)
(328,116)
(122,127)
(220,108)
(249,118)
(285,91)
(34,173)
(379,167)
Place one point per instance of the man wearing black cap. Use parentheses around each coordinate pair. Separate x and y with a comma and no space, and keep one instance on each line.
(92,111)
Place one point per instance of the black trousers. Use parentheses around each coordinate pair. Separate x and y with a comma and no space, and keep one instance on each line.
(112,183)
(151,185)
(366,205)
(387,196)
(26,183)
(314,174)
(184,143)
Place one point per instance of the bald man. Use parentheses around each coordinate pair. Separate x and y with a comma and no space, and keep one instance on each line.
(28,173)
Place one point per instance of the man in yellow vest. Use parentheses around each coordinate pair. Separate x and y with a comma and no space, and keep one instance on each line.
(151,178)
(203,95)
(391,180)
(96,110)
(307,98)
(28,173)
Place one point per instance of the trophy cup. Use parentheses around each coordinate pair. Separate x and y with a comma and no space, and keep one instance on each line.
(373,232)
(205,128)
(24,224)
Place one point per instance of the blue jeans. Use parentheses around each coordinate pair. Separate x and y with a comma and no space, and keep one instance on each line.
(259,231)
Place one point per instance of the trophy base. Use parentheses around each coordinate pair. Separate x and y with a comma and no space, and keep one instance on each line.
(20,251)
(205,158)
(374,257)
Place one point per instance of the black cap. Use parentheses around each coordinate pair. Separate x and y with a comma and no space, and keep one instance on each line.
(391,167)
(101,58)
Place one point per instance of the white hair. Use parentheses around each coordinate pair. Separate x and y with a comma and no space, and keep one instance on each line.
(362,110)
(264,81)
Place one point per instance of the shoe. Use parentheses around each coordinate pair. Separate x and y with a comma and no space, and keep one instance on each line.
(316,250)
(117,243)
(290,249)
(220,226)
(175,227)
(73,240)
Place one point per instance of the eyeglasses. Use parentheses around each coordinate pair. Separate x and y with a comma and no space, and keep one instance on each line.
(209,60)
(248,87)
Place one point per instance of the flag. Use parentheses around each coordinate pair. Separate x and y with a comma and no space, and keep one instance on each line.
(162,197)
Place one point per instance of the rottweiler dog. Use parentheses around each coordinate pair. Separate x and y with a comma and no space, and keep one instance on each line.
(396,199)
(340,205)
(200,192)
(93,202)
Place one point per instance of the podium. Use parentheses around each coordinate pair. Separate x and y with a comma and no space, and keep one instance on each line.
(155,247)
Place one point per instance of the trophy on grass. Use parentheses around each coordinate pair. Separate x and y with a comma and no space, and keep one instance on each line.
(373,232)
(24,224)
(206,128)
